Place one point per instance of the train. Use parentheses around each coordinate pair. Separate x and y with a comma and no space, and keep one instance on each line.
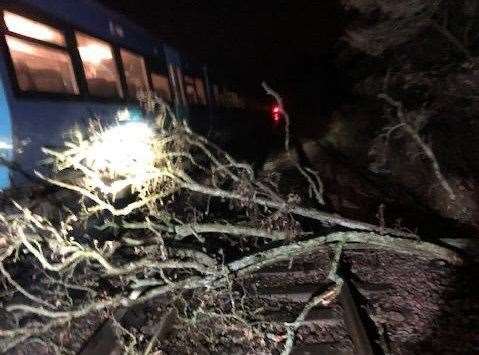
(65,62)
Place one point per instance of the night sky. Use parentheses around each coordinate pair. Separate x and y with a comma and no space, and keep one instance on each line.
(290,44)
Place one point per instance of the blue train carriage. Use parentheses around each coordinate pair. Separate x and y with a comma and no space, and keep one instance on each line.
(64,62)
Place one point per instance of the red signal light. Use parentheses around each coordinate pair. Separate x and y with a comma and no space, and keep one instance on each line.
(276,113)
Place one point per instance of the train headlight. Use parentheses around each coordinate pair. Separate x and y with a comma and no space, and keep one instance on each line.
(124,151)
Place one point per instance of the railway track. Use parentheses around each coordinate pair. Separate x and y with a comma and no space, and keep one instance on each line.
(284,289)
(390,305)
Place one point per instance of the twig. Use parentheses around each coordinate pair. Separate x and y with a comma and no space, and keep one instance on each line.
(22,290)
(259,260)
(159,333)
(331,219)
(324,299)
(190,229)
(317,187)
(282,111)
(420,142)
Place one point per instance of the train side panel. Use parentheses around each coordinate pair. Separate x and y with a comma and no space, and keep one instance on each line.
(6,140)
(31,123)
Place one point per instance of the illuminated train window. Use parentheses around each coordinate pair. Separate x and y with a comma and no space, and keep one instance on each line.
(161,86)
(99,66)
(135,73)
(29,28)
(195,91)
(39,67)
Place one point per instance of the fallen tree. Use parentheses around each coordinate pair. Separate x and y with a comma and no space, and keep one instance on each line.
(145,214)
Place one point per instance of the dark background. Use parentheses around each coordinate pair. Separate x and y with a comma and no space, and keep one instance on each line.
(290,44)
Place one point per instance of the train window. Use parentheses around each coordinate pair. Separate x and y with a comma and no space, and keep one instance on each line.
(200,90)
(33,29)
(161,86)
(41,68)
(135,73)
(191,94)
(99,66)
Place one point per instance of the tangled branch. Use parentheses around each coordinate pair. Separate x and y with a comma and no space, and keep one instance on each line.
(413,133)
(141,228)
